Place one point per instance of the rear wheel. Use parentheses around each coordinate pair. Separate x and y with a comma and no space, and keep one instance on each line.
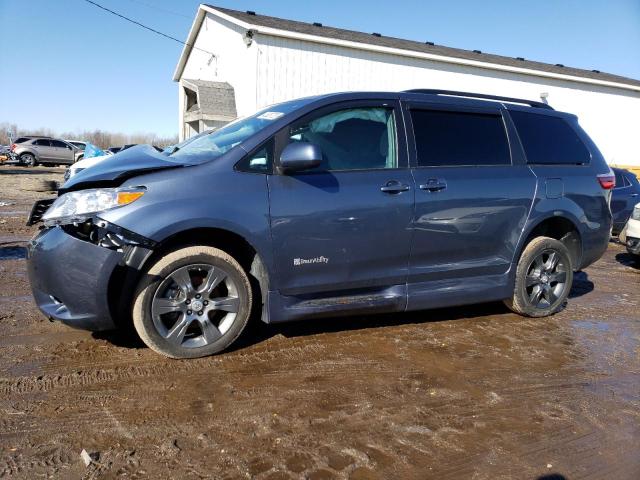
(544,276)
(192,303)
(29,159)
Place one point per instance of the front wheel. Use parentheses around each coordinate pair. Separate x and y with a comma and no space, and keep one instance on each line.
(544,276)
(192,303)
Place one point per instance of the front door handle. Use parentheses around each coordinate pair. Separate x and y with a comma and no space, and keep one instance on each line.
(434,185)
(393,186)
(633,194)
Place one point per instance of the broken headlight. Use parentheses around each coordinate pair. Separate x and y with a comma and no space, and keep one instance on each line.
(76,207)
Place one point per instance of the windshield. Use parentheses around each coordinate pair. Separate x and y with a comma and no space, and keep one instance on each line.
(219,142)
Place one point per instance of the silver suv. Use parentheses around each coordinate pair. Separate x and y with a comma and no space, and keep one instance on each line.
(35,150)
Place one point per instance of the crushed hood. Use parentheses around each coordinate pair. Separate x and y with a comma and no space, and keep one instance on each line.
(114,170)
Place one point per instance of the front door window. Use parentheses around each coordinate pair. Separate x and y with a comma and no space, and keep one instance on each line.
(352,139)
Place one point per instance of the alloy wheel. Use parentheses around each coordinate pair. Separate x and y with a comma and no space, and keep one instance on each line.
(546,279)
(195,305)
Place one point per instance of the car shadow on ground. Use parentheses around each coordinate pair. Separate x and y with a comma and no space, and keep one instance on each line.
(581,285)
(628,260)
(12,252)
(24,171)
(258,332)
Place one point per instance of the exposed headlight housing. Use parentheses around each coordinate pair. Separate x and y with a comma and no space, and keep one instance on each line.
(75,207)
(636,212)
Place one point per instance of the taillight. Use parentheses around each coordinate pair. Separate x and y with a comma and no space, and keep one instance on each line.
(607,180)
(13,147)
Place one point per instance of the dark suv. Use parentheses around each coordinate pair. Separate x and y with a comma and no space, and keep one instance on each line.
(331,205)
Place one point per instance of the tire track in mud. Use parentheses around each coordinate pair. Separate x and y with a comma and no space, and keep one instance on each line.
(48,382)
(50,460)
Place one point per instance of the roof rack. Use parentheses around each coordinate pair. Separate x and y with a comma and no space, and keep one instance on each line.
(452,93)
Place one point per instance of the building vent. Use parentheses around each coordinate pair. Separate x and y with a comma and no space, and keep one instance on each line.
(429,43)
(317,24)
(251,12)
(375,34)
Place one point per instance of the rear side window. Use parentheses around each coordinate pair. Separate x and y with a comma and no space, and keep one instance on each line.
(549,140)
(621,179)
(445,138)
(42,142)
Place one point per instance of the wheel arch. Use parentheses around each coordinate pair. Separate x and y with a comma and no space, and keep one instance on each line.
(562,228)
(31,152)
(124,280)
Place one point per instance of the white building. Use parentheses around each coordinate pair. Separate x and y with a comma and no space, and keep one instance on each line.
(237,62)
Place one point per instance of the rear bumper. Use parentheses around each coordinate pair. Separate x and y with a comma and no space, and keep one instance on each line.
(70,278)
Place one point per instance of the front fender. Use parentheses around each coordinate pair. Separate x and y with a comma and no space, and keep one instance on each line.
(199,197)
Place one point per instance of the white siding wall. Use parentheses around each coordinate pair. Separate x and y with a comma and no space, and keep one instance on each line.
(289,68)
(275,69)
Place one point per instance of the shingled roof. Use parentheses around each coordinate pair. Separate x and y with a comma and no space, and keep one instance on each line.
(319,30)
(216,100)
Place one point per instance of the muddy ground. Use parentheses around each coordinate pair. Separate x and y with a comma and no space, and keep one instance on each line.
(474,392)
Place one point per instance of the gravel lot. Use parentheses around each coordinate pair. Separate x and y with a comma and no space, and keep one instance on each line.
(474,392)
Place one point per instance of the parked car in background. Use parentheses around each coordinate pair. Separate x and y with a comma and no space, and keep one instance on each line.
(119,149)
(5,153)
(353,203)
(34,150)
(631,233)
(83,164)
(80,145)
(625,196)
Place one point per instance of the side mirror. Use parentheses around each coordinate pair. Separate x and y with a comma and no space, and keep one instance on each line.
(299,156)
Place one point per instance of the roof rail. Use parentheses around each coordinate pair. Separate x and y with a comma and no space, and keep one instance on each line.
(452,93)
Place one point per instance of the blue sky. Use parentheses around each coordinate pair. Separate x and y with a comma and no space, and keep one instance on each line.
(66,65)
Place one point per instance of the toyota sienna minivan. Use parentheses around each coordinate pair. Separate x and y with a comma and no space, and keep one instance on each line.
(350,203)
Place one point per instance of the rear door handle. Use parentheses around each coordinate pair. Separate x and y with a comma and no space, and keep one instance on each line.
(434,185)
(393,186)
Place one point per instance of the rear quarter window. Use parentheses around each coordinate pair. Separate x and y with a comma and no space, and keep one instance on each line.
(549,140)
(21,139)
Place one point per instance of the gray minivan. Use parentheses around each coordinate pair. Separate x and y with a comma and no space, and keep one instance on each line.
(350,203)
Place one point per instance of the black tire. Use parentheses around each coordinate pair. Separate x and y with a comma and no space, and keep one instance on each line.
(163,313)
(29,159)
(544,276)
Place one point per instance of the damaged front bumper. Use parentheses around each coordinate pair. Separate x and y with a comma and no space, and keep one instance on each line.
(70,269)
